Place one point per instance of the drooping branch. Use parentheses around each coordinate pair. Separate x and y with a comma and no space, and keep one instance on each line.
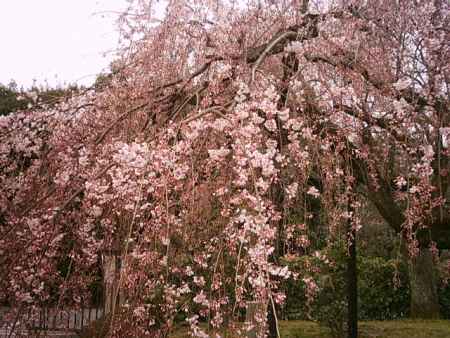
(379,192)
(270,46)
(279,41)
(196,73)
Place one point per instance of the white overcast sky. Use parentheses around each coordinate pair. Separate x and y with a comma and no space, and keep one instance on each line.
(58,41)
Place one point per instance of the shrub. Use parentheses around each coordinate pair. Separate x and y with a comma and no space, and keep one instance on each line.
(383,289)
(330,306)
(444,300)
(444,285)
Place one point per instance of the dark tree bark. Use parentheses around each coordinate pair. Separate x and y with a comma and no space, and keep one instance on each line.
(271,322)
(424,295)
(423,280)
(352,286)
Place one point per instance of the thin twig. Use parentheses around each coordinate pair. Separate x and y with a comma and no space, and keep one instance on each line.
(203,113)
(124,254)
(102,136)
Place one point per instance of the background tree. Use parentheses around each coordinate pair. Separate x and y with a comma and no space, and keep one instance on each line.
(10,100)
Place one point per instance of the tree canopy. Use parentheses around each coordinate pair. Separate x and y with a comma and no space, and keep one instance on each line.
(201,159)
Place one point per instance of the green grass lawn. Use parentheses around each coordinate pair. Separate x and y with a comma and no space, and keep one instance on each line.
(373,329)
(369,329)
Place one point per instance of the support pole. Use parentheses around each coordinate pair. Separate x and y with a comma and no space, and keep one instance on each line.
(352,282)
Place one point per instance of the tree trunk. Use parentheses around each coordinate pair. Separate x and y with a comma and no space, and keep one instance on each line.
(423,284)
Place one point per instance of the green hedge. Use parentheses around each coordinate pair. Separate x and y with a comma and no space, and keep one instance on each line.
(444,285)
(383,289)
(444,299)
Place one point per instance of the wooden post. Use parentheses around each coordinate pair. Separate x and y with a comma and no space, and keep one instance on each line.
(114,295)
(256,311)
(82,316)
(352,281)
(109,277)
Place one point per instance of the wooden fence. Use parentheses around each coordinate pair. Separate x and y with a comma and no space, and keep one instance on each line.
(48,322)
